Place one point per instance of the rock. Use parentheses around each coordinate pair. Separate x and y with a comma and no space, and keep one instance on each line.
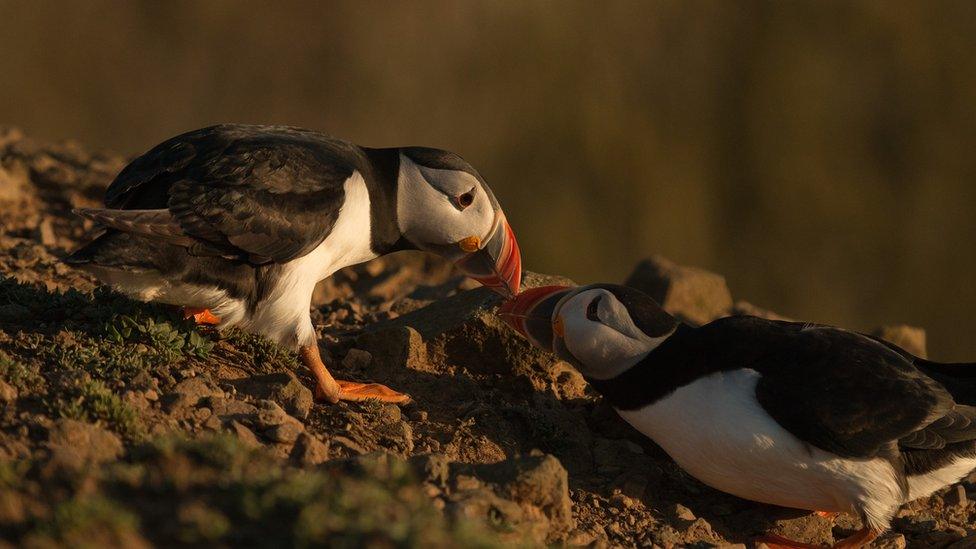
(75,445)
(432,468)
(890,540)
(623,502)
(7,392)
(681,512)
(956,496)
(357,360)
(45,232)
(309,451)
(285,433)
(137,400)
(398,346)
(283,388)
(567,383)
(694,295)
(269,415)
(462,329)
(909,338)
(243,434)
(230,408)
(189,392)
(531,494)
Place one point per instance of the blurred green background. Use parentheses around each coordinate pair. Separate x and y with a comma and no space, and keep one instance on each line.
(819,154)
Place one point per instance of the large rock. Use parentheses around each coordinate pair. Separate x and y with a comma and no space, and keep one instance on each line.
(462,329)
(693,295)
(525,497)
(190,392)
(283,388)
(75,445)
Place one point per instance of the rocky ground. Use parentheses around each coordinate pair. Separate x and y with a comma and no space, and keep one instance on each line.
(124,426)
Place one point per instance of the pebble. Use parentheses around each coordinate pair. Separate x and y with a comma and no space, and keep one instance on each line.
(957,496)
(683,513)
(7,392)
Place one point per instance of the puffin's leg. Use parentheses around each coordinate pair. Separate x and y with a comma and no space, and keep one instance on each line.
(860,538)
(333,391)
(201,316)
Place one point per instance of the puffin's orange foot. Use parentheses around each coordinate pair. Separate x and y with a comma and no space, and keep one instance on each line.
(826,514)
(201,316)
(355,391)
(774,541)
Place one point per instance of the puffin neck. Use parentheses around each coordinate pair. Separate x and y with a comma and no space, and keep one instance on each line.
(381,183)
(645,382)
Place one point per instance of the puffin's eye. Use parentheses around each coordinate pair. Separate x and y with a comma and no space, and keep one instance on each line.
(464,200)
(591,309)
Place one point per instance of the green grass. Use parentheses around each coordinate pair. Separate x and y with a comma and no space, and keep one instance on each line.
(91,400)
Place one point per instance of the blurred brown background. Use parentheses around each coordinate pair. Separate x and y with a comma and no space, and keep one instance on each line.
(819,154)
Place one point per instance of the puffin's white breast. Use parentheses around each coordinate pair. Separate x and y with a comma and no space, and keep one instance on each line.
(715,429)
(286,307)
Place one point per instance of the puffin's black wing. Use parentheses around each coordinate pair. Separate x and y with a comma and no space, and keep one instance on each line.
(844,392)
(959,378)
(262,193)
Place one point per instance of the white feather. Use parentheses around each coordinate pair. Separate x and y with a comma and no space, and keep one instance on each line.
(715,429)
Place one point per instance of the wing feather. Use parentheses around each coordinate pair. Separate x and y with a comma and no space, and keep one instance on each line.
(261,193)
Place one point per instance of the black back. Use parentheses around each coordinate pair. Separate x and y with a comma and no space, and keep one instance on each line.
(836,390)
(265,193)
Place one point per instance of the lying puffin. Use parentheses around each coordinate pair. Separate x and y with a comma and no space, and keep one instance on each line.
(792,414)
(238,223)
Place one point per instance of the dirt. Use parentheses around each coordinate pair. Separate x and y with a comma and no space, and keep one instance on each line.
(124,426)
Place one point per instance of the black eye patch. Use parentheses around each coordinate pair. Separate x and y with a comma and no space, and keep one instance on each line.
(591,309)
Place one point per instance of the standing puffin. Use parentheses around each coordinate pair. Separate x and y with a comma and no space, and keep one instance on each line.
(798,415)
(238,223)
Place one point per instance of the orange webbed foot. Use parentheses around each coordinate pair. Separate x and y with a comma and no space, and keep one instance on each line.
(201,316)
(355,391)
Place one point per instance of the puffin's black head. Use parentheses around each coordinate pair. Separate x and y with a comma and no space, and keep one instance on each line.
(444,206)
(603,329)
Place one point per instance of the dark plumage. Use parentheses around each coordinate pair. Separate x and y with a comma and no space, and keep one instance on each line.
(245,220)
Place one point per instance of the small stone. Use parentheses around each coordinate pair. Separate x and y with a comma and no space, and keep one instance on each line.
(45,232)
(151,395)
(309,450)
(75,444)
(286,433)
(7,392)
(622,502)
(136,399)
(957,496)
(243,434)
(683,513)
(890,540)
(283,388)
(357,359)
(909,338)
(189,392)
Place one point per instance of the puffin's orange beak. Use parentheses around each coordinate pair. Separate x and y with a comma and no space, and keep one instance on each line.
(530,313)
(496,262)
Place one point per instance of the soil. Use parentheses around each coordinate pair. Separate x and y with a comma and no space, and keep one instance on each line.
(123,425)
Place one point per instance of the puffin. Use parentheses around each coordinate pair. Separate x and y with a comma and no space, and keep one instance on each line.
(237,223)
(794,414)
